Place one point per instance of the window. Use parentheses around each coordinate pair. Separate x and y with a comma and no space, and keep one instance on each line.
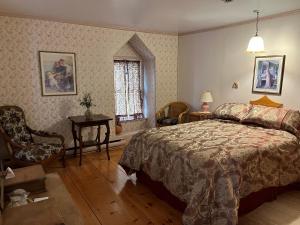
(128,90)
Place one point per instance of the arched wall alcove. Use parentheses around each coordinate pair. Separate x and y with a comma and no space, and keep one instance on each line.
(135,48)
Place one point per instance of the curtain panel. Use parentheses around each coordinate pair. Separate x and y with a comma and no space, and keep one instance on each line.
(128,90)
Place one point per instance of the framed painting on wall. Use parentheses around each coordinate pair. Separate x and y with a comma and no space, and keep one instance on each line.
(58,73)
(268,74)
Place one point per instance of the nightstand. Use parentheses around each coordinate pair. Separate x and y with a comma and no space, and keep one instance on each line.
(197,116)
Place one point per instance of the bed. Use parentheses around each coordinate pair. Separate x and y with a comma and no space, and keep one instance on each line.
(212,168)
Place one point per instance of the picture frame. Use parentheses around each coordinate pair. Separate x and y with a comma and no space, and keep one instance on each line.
(268,74)
(58,73)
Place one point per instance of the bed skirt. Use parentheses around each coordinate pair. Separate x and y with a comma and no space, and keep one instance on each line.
(247,203)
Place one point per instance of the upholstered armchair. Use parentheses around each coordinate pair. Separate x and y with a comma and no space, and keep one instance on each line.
(19,139)
(172,114)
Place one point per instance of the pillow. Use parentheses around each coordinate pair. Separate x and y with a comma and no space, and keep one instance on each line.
(232,111)
(268,117)
(291,122)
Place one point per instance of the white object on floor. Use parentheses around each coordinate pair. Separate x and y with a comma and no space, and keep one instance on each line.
(40,199)
(10,173)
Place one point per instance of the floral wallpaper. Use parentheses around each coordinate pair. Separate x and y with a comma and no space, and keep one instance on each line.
(20,41)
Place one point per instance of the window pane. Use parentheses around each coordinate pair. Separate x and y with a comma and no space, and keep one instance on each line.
(128,90)
(120,88)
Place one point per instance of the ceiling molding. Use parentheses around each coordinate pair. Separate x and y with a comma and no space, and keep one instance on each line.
(114,27)
(241,23)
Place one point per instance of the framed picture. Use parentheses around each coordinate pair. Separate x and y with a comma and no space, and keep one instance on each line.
(58,73)
(268,74)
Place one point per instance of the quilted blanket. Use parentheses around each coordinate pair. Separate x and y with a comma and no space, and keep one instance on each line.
(212,164)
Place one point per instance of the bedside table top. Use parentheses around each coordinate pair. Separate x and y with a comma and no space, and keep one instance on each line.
(200,113)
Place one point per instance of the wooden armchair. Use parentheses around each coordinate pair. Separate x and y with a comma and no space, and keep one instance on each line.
(172,113)
(19,139)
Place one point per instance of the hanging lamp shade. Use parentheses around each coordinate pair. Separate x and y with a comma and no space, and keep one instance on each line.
(256,43)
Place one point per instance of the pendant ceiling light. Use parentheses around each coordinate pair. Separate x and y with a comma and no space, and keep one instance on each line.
(256,43)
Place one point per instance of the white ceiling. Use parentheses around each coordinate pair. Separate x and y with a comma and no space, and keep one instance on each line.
(174,16)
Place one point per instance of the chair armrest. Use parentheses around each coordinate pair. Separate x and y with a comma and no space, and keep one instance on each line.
(160,114)
(181,117)
(47,134)
(8,140)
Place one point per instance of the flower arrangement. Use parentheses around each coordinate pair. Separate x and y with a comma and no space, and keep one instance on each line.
(87,102)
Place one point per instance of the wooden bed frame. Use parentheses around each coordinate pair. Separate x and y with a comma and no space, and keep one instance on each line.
(247,204)
(265,101)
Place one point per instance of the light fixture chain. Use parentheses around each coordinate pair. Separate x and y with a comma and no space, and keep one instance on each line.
(257,17)
(256,43)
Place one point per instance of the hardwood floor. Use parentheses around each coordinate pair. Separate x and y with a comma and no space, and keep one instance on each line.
(105,195)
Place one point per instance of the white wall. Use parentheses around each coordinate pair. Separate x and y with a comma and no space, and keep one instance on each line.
(214,60)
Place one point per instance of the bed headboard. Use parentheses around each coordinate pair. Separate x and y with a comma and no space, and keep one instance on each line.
(265,101)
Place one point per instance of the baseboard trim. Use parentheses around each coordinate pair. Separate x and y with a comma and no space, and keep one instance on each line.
(113,143)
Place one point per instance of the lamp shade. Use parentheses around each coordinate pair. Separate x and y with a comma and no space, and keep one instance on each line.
(256,44)
(206,97)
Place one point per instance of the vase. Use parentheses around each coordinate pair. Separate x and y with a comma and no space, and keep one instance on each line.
(88,114)
(119,129)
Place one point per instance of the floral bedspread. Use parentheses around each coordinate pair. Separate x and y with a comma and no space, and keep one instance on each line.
(211,164)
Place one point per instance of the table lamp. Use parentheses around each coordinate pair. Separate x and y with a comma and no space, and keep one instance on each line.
(206,98)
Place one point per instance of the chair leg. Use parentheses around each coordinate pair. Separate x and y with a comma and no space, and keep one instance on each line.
(64,160)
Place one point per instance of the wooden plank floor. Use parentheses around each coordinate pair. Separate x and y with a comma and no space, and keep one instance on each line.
(105,195)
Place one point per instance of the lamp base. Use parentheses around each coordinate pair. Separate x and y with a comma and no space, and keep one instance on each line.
(205,107)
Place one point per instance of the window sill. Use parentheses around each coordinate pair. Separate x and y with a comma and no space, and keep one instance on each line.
(137,120)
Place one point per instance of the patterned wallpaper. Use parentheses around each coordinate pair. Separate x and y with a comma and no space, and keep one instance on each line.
(20,41)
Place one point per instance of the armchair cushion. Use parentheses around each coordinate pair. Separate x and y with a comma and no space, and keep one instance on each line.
(13,122)
(167,121)
(36,152)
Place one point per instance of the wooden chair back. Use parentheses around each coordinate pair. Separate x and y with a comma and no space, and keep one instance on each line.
(176,108)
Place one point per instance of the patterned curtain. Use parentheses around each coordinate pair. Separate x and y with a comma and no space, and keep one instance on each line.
(128,90)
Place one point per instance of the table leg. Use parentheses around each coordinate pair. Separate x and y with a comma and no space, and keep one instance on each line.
(98,138)
(80,146)
(74,138)
(107,139)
